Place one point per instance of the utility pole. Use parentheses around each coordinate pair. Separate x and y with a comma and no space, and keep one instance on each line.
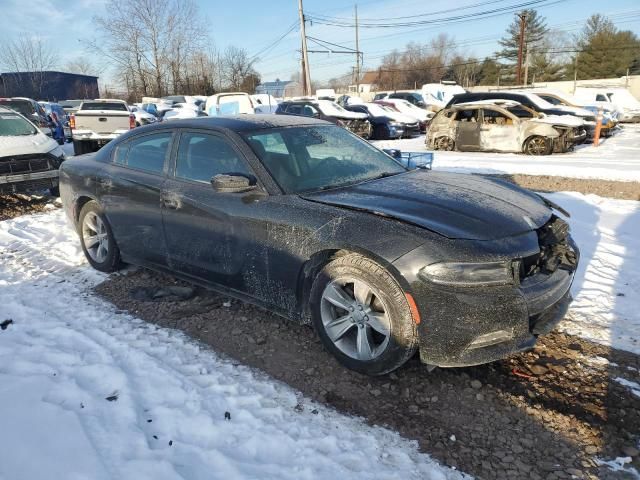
(523,21)
(575,73)
(357,54)
(526,66)
(306,77)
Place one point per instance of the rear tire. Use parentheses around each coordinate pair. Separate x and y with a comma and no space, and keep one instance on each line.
(97,240)
(362,316)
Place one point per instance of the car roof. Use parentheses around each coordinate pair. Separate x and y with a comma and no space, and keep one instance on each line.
(244,123)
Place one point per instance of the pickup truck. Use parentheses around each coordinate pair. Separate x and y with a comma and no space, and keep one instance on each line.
(97,122)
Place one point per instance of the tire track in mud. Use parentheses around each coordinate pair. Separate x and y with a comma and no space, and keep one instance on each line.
(549,413)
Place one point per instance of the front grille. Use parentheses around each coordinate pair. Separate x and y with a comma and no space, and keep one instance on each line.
(28,163)
(555,250)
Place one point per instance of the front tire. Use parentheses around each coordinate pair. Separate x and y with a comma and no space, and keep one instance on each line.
(362,316)
(537,145)
(97,240)
(444,143)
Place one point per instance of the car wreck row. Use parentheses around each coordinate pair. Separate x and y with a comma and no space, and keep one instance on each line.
(503,126)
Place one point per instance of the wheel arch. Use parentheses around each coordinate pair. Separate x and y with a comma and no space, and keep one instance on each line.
(318,260)
(80,202)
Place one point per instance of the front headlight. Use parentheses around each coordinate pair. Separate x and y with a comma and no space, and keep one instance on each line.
(469,274)
(57,152)
(396,124)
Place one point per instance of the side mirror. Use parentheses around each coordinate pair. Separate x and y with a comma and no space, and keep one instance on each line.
(421,104)
(233,183)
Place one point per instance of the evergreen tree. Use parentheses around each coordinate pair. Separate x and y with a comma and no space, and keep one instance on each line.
(534,32)
(489,72)
(605,51)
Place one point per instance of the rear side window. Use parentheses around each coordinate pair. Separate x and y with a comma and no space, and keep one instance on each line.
(294,109)
(601,98)
(120,154)
(202,157)
(148,153)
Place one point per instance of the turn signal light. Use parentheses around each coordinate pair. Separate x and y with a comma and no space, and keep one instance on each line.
(72,122)
(132,122)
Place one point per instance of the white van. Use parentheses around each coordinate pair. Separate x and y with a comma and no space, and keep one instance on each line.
(620,97)
(231,103)
(439,94)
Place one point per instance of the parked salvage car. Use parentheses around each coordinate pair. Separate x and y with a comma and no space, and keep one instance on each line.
(58,121)
(584,120)
(306,219)
(498,126)
(387,124)
(97,122)
(230,103)
(29,160)
(402,106)
(355,122)
(142,116)
(31,110)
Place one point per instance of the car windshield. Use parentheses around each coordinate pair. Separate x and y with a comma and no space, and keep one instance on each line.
(12,125)
(104,106)
(311,158)
(20,106)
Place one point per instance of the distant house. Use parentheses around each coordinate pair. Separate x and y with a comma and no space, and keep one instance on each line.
(280,88)
(368,83)
(51,86)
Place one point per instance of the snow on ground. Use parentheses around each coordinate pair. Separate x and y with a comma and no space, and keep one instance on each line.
(67,351)
(607,285)
(617,158)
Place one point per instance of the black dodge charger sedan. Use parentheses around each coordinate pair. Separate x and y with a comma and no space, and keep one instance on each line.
(304,218)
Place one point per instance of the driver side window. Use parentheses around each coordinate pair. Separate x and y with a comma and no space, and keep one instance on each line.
(202,156)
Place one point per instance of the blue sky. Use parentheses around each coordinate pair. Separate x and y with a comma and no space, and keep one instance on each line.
(252,25)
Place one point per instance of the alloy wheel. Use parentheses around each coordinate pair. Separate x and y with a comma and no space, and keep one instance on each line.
(95,237)
(537,146)
(355,319)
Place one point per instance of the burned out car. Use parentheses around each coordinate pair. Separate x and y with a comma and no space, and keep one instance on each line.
(308,220)
(29,159)
(501,126)
(355,122)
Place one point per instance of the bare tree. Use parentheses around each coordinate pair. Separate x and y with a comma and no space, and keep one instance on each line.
(30,56)
(152,42)
(237,67)
(83,66)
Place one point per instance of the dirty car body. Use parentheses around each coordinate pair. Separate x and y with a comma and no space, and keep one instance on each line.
(499,126)
(488,264)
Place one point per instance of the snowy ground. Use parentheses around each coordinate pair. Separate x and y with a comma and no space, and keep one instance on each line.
(67,352)
(616,158)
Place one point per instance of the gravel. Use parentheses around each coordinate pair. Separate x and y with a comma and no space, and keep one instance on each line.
(542,414)
(12,206)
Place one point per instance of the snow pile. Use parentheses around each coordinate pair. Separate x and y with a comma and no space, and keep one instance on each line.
(90,393)
(633,386)
(607,284)
(617,158)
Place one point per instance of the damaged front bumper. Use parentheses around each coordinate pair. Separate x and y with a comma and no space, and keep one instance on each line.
(464,326)
(361,128)
(21,173)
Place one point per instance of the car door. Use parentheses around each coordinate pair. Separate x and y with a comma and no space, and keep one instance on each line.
(129,191)
(499,131)
(468,134)
(208,233)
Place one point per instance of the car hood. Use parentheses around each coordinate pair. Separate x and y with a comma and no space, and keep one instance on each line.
(566,120)
(454,205)
(25,145)
(402,117)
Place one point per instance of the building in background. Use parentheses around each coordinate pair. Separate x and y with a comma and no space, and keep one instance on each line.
(368,83)
(49,85)
(280,88)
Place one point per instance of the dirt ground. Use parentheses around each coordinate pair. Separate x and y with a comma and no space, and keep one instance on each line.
(542,414)
(12,206)
(604,188)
